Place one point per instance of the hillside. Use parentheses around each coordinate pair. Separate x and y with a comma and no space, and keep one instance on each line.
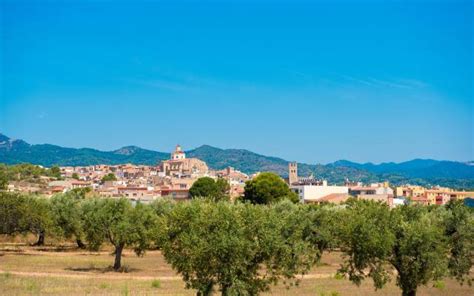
(18,151)
(418,171)
(417,168)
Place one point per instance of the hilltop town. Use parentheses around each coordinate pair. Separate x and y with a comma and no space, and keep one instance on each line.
(174,178)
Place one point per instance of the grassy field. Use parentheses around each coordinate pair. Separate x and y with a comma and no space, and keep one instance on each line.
(26,270)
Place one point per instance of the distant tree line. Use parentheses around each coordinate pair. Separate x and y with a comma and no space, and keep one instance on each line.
(26,172)
(245,247)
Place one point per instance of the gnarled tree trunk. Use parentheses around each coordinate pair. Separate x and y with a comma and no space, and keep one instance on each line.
(80,244)
(118,257)
(206,291)
(40,241)
(409,293)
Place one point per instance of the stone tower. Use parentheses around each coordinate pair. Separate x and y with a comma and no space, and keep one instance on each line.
(178,154)
(292,172)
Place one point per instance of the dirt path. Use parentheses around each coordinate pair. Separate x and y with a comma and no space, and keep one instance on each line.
(119,276)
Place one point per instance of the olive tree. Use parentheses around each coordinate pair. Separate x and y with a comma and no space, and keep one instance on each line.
(366,242)
(410,240)
(163,206)
(66,214)
(239,248)
(322,224)
(39,218)
(419,253)
(13,213)
(21,214)
(3,178)
(119,223)
(459,229)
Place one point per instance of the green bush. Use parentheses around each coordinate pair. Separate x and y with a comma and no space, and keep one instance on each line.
(439,285)
(156,284)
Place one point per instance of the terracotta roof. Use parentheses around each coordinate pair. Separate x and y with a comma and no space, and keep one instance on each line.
(176,190)
(132,188)
(77,182)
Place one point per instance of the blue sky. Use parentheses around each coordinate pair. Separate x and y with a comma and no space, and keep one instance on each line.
(312,81)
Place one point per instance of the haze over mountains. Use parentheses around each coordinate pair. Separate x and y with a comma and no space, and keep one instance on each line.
(424,171)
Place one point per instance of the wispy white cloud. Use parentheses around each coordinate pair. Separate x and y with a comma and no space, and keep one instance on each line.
(177,81)
(395,83)
(361,81)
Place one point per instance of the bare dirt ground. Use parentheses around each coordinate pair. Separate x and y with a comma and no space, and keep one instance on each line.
(26,270)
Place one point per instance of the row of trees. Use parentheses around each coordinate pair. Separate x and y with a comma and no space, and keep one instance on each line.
(266,188)
(244,248)
(25,172)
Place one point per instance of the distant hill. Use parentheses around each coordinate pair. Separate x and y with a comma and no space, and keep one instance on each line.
(418,171)
(18,151)
(417,168)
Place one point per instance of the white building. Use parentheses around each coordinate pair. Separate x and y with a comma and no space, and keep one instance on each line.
(312,193)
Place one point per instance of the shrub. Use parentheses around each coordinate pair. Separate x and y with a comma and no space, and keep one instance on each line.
(156,284)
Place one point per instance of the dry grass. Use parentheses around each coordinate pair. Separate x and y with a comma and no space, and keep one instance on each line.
(27,270)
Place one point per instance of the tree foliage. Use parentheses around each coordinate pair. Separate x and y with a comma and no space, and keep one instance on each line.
(21,214)
(459,229)
(55,172)
(3,180)
(13,213)
(119,223)
(419,250)
(268,188)
(109,177)
(323,223)
(244,248)
(240,248)
(66,213)
(40,218)
(421,244)
(27,172)
(366,241)
(207,187)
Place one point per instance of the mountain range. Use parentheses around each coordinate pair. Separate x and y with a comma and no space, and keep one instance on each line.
(417,171)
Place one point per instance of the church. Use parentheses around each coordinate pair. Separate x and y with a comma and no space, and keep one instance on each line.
(179,166)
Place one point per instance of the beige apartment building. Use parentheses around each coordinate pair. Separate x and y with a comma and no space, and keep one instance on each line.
(434,196)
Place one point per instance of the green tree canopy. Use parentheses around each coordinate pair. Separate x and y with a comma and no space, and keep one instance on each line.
(40,218)
(268,188)
(13,213)
(322,226)
(55,172)
(109,177)
(208,188)
(21,214)
(66,214)
(240,248)
(459,229)
(409,239)
(3,180)
(23,172)
(163,206)
(119,223)
(366,241)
